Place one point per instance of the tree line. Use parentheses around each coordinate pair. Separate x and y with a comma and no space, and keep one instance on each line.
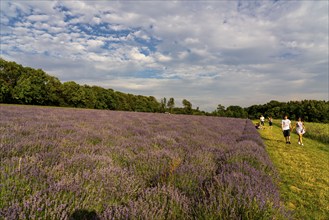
(25,85)
(308,110)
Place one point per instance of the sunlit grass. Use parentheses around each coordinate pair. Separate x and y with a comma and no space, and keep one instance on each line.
(304,172)
(318,131)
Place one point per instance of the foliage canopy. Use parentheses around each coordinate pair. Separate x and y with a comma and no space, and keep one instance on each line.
(25,85)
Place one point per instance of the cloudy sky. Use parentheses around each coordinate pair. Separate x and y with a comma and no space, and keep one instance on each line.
(208,52)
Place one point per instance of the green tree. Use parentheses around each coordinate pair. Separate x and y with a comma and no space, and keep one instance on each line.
(9,75)
(187,106)
(5,92)
(141,104)
(275,112)
(31,87)
(163,104)
(153,104)
(104,98)
(73,94)
(171,104)
(111,99)
(89,98)
(122,101)
(54,89)
(236,112)
(220,111)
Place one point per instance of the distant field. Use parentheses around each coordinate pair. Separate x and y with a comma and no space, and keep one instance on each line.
(58,163)
(318,131)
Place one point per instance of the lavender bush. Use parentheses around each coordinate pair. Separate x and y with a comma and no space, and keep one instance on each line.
(128,165)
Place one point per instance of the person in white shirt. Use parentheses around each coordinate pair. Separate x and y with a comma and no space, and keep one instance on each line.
(262,120)
(300,130)
(286,126)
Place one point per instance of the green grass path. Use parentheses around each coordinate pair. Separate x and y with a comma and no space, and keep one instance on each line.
(304,173)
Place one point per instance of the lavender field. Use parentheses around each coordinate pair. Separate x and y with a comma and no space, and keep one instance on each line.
(61,163)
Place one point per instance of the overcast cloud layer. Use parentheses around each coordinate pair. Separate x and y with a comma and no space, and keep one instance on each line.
(208,52)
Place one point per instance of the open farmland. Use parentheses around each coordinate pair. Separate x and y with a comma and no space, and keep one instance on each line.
(58,163)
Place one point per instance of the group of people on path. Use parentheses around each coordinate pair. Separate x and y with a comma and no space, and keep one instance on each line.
(286,127)
(262,122)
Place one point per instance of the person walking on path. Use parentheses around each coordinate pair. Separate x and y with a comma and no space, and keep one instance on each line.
(300,130)
(270,122)
(286,127)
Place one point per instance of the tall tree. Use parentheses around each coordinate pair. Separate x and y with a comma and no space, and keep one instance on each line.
(171,104)
(31,87)
(74,94)
(220,110)
(9,75)
(187,106)
(163,104)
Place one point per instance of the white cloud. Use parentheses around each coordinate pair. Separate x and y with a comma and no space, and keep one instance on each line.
(95,44)
(228,52)
(38,17)
(162,58)
(96,57)
(135,55)
(191,41)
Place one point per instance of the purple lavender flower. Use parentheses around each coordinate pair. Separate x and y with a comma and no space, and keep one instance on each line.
(129,165)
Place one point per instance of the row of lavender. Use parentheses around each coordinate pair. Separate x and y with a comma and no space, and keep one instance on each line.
(57,163)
